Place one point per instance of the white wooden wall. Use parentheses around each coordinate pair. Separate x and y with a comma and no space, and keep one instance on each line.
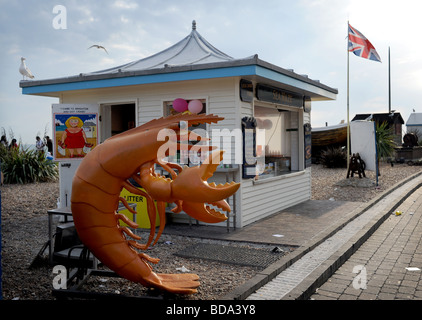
(263,198)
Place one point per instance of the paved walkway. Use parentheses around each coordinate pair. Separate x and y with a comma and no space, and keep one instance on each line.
(293,226)
(327,234)
(299,277)
(388,265)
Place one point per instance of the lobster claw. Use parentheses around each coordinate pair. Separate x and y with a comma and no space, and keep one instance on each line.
(192,188)
(204,213)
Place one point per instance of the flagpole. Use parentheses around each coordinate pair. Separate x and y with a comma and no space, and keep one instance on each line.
(389,82)
(348,123)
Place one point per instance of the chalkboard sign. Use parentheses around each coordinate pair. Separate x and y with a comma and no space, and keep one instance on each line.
(308,145)
(249,125)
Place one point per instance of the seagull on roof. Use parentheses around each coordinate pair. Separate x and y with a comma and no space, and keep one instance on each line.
(98,47)
(24,70)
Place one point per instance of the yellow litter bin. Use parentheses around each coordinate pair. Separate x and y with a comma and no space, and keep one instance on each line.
(142,218)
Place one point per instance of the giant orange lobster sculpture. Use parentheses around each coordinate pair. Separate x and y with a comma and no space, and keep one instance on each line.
(106,170)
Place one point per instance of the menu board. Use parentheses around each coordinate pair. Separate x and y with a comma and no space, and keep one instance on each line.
(249,147)
(308,145)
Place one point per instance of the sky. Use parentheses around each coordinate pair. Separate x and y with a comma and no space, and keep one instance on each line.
(309,36)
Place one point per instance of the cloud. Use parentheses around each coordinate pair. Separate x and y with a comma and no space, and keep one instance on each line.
(125,5)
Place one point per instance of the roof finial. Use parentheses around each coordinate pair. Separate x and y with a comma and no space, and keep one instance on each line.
(193,25)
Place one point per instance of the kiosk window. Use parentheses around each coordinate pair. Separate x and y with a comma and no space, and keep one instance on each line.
(275,139)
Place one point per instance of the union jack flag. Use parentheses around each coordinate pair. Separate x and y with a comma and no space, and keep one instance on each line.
(361,46)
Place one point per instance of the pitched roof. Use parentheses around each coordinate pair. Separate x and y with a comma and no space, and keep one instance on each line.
(192,50)
(192,58)
(380,117)
(415,119)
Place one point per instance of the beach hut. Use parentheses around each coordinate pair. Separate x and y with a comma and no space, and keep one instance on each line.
(414,124)
(270,106)
(394,121)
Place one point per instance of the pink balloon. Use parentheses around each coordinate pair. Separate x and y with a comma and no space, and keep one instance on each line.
(180,105)
(195,106)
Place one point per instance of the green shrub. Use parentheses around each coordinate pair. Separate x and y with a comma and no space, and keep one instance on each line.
(25,166)
(385,140)
(334,158)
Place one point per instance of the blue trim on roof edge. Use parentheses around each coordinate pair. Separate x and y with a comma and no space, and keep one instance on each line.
(236,71)
(285,79)
(143,79)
